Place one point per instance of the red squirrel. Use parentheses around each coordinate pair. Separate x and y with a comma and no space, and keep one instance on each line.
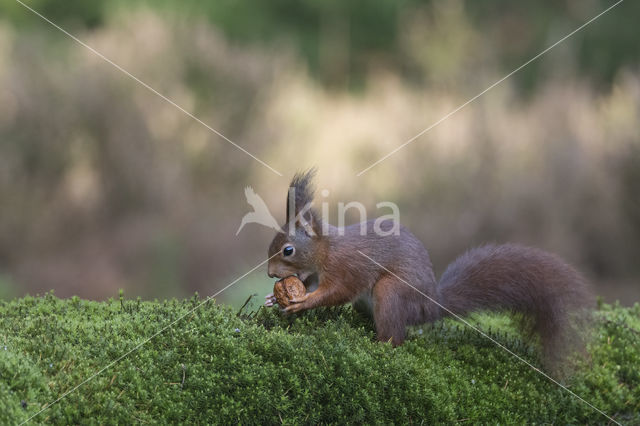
(507,277)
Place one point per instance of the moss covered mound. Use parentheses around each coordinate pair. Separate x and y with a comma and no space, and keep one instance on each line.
(215,366)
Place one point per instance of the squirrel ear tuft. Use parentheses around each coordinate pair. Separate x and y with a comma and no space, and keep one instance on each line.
(299,199)
(300,193)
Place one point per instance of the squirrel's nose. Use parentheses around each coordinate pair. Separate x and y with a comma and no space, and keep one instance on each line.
(271,273)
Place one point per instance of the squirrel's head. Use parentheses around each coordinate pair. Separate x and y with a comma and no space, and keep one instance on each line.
(296,249)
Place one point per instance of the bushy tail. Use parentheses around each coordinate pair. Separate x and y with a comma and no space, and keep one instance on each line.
(552,296)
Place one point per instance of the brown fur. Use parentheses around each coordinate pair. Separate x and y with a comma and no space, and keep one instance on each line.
(509,277)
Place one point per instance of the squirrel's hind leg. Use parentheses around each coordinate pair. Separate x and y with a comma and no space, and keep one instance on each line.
(389,311)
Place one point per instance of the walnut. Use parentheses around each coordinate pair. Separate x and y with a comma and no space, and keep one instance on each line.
(287,289)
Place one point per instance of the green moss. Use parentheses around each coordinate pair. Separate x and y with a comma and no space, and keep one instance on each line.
(214,366)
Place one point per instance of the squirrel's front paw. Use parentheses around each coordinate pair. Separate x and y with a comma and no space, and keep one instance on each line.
(292,309)
(298,304)
(270,300)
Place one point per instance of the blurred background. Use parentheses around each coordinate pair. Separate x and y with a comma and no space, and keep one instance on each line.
(104,185)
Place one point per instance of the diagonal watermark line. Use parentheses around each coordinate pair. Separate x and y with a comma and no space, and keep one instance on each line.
(468,324)
(151,89)
(489,88)
(147,340)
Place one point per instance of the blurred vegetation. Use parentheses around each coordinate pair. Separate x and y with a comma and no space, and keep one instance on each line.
(215,366)
(341,41)
(104,185)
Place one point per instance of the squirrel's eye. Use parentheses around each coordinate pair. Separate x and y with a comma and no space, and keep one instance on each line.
(288,250)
